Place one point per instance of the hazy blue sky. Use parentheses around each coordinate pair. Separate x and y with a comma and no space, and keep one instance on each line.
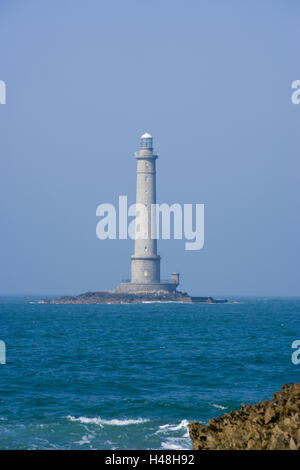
(211,80)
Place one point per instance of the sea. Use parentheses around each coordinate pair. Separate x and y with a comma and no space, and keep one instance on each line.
(133,376)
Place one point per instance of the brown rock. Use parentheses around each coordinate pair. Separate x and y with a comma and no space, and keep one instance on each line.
(270,425)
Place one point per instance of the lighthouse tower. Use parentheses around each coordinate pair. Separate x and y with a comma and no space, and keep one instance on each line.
(145,263)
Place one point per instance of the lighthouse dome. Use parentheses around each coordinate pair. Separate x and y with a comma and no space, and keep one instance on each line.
(146,141)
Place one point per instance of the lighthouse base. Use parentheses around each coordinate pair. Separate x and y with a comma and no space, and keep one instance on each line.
(138,288)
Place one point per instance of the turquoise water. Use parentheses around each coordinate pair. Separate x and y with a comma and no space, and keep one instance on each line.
(132,376)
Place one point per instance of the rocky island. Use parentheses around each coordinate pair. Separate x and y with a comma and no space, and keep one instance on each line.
(113,297)
(269,425)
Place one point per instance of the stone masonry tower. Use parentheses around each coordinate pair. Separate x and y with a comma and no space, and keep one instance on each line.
(145,263)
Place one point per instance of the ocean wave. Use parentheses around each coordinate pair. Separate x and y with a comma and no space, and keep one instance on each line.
(86,439)
(219,407)
(162,302)
(110,422)
(175,436)
(171,427)
(175,444)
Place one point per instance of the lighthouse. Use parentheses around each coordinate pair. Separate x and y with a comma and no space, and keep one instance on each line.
(145,262)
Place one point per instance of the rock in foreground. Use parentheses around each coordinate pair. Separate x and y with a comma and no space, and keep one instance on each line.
(269,425)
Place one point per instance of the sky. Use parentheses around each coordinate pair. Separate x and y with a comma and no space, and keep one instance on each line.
(209,79)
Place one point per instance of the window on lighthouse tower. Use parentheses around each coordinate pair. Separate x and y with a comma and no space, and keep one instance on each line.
(146,141)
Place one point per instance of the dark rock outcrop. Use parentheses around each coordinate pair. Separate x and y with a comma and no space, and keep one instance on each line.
(269,425)
(111,297)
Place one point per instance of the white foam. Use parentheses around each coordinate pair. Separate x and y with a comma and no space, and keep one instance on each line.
(111,422)
(171,427)
(162,302)
(175,444)
(180,441)
(219,407)
(85,440)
